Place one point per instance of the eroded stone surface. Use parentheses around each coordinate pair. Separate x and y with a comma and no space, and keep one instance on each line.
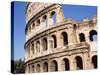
(60,44)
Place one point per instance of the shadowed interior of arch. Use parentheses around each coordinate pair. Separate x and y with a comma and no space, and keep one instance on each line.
(93,35)
(79,63)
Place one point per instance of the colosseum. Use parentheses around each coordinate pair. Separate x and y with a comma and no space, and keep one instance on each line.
(54,43)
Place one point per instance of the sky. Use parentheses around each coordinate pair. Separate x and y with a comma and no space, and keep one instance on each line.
(19,32)
(76,12)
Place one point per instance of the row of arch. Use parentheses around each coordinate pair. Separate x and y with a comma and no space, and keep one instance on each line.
(92,36)
(65,64)
(43,21)
(64,36)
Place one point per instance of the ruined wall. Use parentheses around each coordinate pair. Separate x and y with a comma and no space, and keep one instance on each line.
(54,43)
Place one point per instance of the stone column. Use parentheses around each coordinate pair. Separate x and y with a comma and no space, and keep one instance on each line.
(28,51)
(49,20)
(42,24)
(87,62)
(28,68)
(48,41)
(59,41)
(59,14)
(34,68)
(31,53)
(72,63)
(71,35)
(31,68)
(41,67)
(49,63)
(34,47)
(59,62)
(41,48)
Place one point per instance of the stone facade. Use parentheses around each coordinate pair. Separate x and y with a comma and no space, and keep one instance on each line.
(54,43)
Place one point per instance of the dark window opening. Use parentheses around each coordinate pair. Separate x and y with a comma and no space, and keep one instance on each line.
(94,61)
(38,22)
(45,67)
(45,44)
(53,16)
(45,20)
(75,26)
(54,41)
(32,48)
(54,66)
(79,63)
(82,37)
(66,64)
(33,26)
(33,69)
(93,35)
(38,68)
(65,38)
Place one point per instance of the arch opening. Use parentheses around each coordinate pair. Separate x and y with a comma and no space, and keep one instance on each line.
(38,68)
(45,44)
(53,16)
(75,26)
(45,67)
(54,41)
(33,26)
(82,37)
(29,29)
(38,22)
(38,46)
(94,61)
(45,20)
(66,64)
(65,38)
(54,66)
(93,35)
(33,69)
(32,48)
(79,63)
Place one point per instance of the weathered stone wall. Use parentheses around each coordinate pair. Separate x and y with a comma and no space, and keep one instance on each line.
(57,44)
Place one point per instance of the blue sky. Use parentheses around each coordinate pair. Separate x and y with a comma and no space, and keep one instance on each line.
(76,12)
(19,26)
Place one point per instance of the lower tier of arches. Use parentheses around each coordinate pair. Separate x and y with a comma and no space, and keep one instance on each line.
(80,61)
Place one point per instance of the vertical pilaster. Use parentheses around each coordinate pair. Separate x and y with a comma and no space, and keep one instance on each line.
(50,20)
(34,68)
(59,61)
(49,66)
(41,48)
(28,51)
(48,39)
(59,42)
(87,62)
(28,68)
(41,67)
(31,51)
(34,47)
(59,14)
(31,68)
(72,63)
(71,35)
